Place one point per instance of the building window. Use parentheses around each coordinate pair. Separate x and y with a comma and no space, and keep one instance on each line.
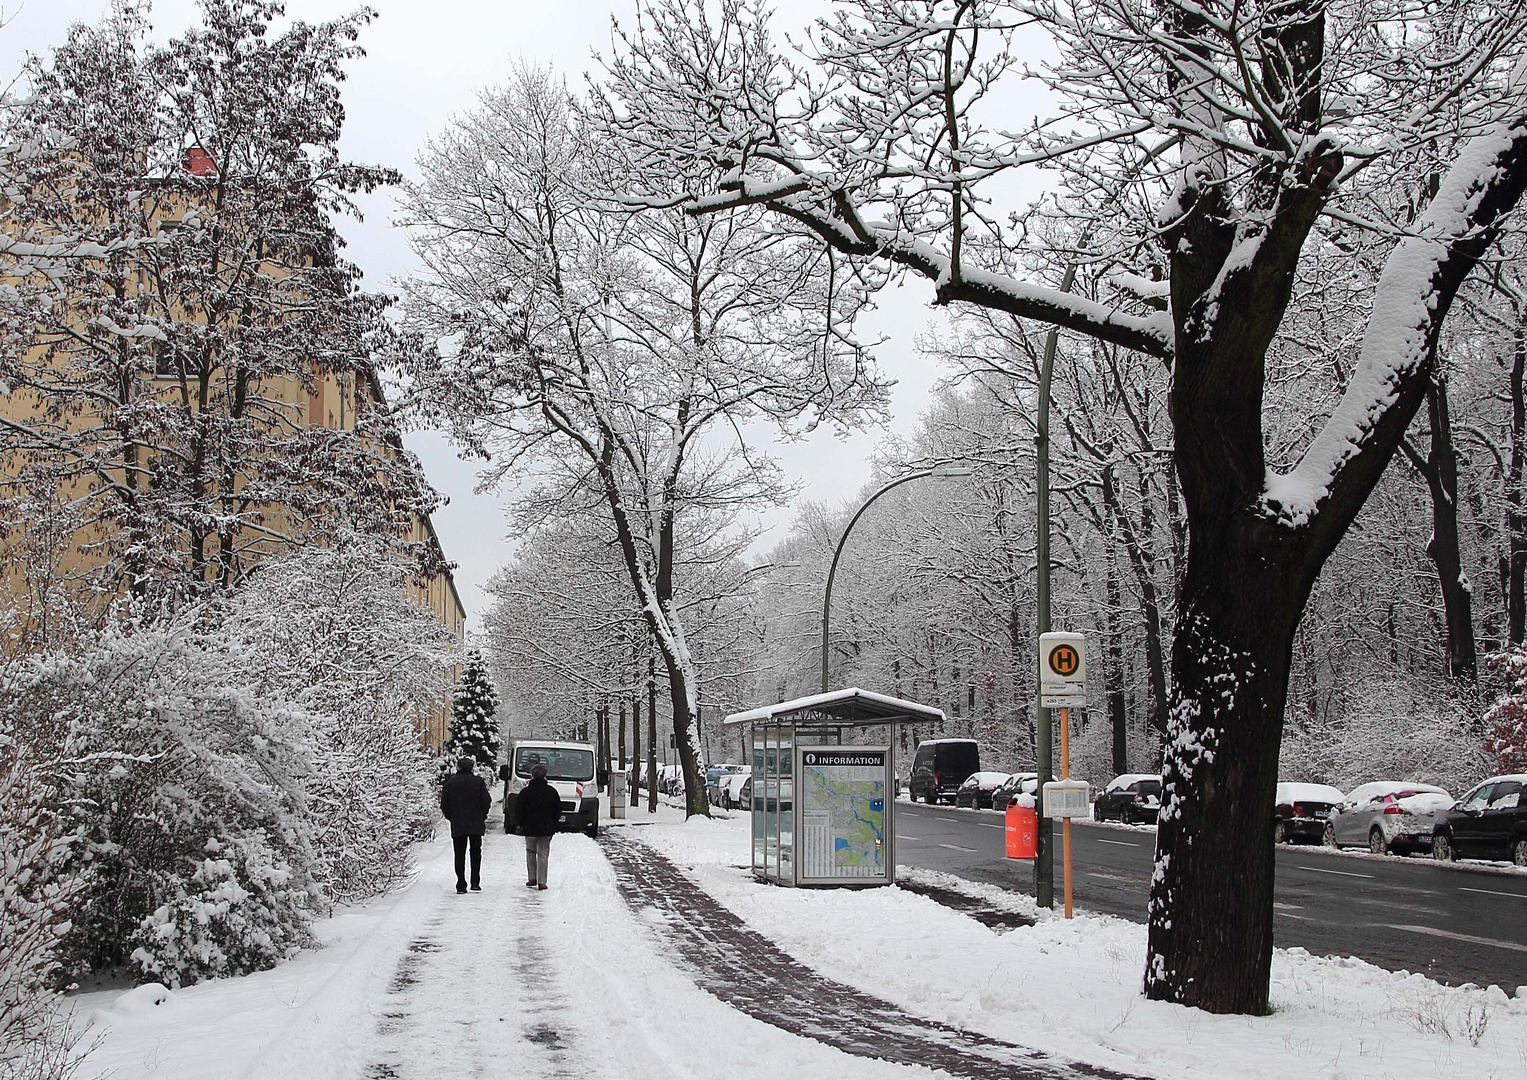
(164,360)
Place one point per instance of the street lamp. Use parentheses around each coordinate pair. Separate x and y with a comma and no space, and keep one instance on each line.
(916,474)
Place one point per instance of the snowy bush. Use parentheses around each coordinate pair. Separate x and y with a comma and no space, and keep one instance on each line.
(35,899)
(1507,739)
(334,631)
(1393,728)
(236,912)
(169,755)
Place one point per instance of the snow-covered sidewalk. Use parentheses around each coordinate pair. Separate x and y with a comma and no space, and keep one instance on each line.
(428,983)
(581,980)
(1072,989)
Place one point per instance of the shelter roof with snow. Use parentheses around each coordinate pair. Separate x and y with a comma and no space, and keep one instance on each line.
(847,707)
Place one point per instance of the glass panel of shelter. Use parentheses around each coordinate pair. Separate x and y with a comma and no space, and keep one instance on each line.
(774,795)
(757,800)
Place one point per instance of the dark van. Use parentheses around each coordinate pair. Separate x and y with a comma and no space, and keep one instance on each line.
(940,767)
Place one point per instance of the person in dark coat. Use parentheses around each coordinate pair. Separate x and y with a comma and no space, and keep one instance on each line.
(464,800)
(540,808)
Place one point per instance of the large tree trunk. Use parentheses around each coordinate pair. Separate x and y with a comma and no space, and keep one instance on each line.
(1211,897)
(683,691)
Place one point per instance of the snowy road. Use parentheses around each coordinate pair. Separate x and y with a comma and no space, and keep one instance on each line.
(1458,924)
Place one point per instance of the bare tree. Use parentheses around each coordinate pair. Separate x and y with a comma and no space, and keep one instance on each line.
(620,355)
(1266,132)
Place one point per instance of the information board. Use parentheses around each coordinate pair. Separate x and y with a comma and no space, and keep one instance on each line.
(842,797)
(1067,799)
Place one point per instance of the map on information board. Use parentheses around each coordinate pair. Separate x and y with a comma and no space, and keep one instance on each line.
(841,796)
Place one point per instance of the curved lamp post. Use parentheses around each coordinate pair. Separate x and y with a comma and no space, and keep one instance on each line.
(916,474)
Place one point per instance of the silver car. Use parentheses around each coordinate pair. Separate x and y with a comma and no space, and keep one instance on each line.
(1387,816)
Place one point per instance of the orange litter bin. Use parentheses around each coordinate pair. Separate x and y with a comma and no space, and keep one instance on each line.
(1022,828)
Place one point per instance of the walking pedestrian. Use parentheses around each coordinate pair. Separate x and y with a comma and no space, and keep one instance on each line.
(464,801)
(540,808)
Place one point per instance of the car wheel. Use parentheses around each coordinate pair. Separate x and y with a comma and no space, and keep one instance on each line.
(1328,838)
(1376,844)
(1442,848)
(1519,851)
(1279,833)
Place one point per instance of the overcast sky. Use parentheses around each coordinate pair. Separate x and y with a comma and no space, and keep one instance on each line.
(425,63)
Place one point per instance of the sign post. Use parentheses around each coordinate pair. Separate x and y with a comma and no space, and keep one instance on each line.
(1063,685)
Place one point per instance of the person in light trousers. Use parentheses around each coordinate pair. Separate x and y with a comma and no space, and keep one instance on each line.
(540,808)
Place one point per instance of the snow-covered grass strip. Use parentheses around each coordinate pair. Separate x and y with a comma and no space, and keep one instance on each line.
(1073,988)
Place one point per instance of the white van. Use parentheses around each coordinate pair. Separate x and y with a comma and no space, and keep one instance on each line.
(569,769)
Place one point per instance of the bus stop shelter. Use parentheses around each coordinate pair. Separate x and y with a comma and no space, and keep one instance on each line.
(843,833)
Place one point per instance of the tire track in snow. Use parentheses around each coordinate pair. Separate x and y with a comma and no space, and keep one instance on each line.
(753,975)
(469,998)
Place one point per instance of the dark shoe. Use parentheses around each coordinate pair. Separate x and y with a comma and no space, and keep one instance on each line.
(461,888)
(541,887)
(530,884)
(477,888)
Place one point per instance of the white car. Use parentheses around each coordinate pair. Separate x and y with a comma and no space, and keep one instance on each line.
(731,790)
(1387,816)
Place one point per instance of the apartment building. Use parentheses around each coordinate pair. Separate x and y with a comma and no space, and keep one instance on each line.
(93,467)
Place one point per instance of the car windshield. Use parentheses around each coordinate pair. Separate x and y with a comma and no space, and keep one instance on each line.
(561,764)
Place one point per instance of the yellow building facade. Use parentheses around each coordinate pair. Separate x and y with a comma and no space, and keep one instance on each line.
(65,539)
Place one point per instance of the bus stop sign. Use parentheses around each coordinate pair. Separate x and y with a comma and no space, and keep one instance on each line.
(1062,671)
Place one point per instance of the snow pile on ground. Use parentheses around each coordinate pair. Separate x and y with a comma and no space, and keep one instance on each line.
(1073,988)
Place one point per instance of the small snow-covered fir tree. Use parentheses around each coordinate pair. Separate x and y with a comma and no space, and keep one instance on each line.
(474,729)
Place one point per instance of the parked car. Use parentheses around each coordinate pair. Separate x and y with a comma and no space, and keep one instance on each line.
(1133,798)
(940,767)
(1019,783)
(1301,812)
(670,779)
(714,776)
(1387,816)
(1490,822)
(731,790)
(976,791)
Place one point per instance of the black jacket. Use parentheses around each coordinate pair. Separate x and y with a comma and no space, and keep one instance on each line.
(464,800)
(539,808)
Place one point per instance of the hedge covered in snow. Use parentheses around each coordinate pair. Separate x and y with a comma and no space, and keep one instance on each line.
(200,786)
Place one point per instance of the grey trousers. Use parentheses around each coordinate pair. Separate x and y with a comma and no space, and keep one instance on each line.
(537,853)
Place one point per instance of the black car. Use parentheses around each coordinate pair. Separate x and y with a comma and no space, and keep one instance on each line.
(978,789)
(1134,798)
(1302,810)
(940,767)
(1490,822)
(1020,783)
